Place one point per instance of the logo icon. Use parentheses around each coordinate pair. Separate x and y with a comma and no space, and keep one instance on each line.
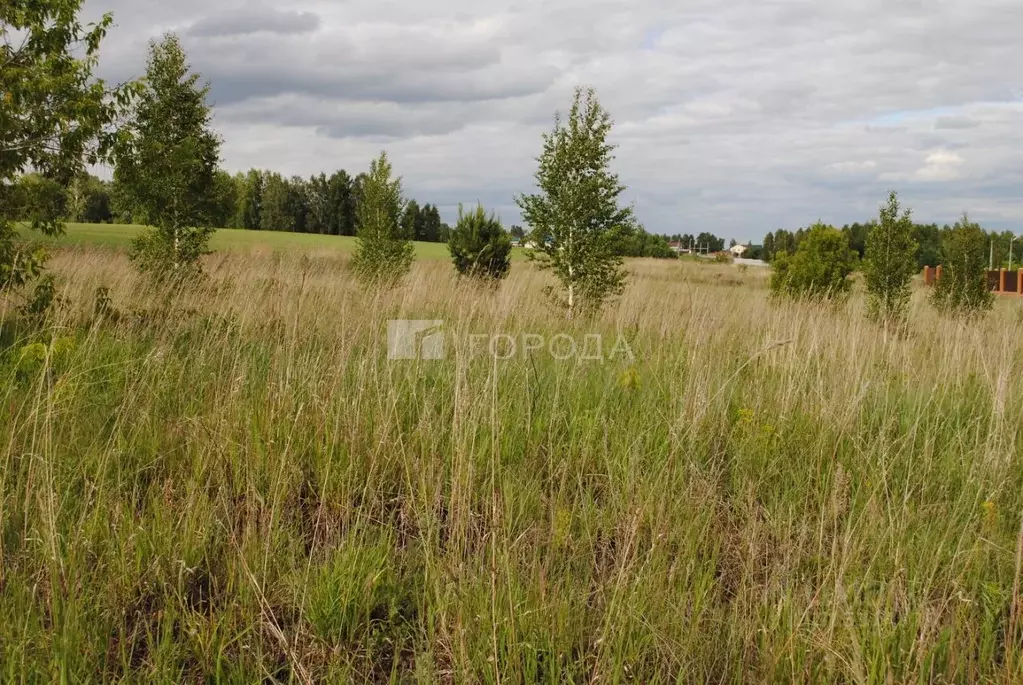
(412,339)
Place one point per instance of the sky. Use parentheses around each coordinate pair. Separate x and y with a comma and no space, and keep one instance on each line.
(736,117)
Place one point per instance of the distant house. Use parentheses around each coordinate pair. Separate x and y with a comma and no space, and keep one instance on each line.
(677,246)
(737,250)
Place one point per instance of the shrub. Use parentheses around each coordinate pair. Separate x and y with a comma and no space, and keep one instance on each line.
(890,262)
(480,247)
(962,289)
(640,243)
(820,267)
(163,257)
(384,253)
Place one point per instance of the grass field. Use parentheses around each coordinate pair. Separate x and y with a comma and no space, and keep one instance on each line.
(121,235)
(232,483)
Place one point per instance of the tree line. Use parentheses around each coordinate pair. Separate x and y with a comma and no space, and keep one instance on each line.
(816,263)
(257,200)
(927,237)
(260,200)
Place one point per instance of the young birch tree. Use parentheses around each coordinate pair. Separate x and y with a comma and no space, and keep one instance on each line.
(167,161)
(890,262)
(576,221)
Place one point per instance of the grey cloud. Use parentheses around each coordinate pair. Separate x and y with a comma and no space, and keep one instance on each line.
(381,64)
(742,117)
(354,119)
(956,122)
(238,83)
(254,20)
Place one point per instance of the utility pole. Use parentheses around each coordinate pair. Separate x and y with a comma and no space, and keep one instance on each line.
(1013,240)
(991,262)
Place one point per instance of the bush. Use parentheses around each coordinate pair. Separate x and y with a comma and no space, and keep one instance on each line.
(40,201)
(820,267)
(479,246)
(640,243)
(962,289)
(384,253)
(168,254)
(890,262)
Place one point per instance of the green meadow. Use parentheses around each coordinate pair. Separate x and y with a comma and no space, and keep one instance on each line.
(230,239)
(232,482)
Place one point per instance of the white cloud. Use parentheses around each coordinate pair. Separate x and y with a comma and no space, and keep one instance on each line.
(853,167)
(939,166)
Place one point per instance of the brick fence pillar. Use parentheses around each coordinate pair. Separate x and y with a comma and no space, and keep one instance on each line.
(1001,280)
(937,274)
(1019,282)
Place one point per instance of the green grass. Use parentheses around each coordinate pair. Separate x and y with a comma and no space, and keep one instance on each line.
(120,236)
(232,483)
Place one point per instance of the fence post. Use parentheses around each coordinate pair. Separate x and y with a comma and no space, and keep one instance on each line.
(937,274)
(1001,280)
(1019,282)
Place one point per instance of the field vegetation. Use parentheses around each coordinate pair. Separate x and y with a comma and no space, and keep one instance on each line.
(232,482)
(213,467)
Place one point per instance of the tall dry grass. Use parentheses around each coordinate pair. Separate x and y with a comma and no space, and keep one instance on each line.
(231,482)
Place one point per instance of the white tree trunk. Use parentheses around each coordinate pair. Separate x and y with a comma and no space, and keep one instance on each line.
(571,276)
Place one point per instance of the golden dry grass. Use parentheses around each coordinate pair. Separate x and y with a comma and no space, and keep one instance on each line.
(232,482)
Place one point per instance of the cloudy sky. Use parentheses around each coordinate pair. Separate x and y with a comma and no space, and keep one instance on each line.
(733,116)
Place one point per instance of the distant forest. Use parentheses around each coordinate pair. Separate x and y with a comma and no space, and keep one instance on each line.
(257,200)
(928,237)
(267,201)
(261,200)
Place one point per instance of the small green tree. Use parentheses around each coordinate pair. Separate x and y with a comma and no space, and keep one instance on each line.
(890,262)
(577,223)
(39,200)
(768,253)
(250,206)
(54,115)
(384,252)
(167,159)
(274,212)
(412,220)
(479,245)
(820,267)
(962,289)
